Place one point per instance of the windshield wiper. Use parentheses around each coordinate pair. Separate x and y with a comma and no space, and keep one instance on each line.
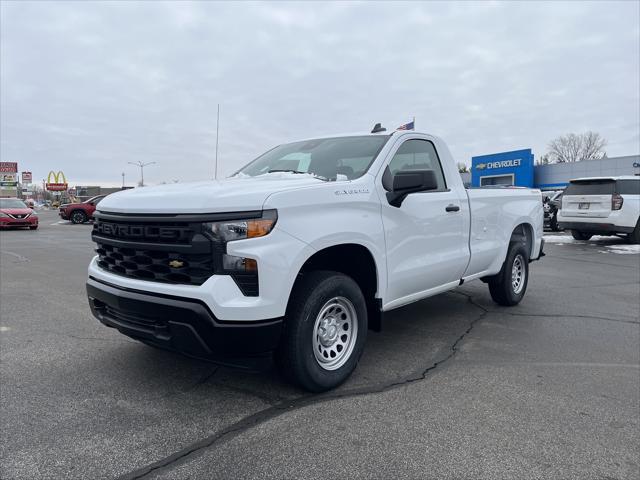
(285,170)
(290,170)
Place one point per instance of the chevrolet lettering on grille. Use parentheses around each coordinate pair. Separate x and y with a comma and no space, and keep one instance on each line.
(141,232)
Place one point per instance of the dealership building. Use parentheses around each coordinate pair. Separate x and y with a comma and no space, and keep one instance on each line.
(518,168)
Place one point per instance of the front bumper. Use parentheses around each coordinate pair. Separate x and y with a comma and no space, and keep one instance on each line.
(595,228)
(183,325)
(8,222)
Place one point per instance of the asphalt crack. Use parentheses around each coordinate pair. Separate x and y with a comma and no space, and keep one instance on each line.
(246,423)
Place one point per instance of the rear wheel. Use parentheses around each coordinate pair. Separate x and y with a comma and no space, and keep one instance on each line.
(510,284)
(78,216)
(634,237)
(324,332)
(579,235)
(553,222)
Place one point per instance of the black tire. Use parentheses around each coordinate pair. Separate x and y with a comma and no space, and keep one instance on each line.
(634,237)
(501,286)
(311,296)
(578,235)
(553,222)
(78,216)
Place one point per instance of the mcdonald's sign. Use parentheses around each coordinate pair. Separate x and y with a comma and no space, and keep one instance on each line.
(56,185)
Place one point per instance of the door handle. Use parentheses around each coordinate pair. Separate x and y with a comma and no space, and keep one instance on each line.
(452,208)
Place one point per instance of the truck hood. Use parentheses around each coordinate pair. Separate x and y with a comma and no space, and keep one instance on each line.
(229,195)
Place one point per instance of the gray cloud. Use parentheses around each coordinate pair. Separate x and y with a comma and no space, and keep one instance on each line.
(87,87)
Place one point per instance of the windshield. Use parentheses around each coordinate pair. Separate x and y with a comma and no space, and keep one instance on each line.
(11,203)
(327,158)
(94,199)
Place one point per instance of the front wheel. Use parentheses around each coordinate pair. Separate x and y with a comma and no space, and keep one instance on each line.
(510,284)
(578,235)
(324,332)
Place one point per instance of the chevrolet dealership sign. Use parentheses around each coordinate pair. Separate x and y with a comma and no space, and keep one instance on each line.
(501,164)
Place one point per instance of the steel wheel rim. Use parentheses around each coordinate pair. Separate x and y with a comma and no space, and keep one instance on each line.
(518,274)
(335,332)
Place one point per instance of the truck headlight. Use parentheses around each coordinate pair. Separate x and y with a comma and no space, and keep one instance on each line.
(229,231)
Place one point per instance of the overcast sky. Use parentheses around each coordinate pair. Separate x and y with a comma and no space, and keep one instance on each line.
(87,87)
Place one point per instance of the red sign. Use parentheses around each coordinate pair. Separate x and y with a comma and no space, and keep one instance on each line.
(9,167)
(57,187)
(26,177)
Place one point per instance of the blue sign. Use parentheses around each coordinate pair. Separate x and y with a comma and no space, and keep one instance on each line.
(506,168)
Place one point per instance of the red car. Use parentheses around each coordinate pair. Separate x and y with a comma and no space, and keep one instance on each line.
(80,212)
(14,213)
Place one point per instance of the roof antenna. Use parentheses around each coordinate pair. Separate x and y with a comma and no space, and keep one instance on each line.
(378,128)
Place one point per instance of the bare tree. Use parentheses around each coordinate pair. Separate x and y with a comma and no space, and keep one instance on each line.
(462,167)
(544,160)
(575,147)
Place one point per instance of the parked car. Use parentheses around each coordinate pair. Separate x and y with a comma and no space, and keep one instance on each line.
(303,249)
(15,213)
(80,212)
(602,206)
(551,204)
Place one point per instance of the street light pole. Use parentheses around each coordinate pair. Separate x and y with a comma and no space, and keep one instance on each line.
(141,165)
(123,180)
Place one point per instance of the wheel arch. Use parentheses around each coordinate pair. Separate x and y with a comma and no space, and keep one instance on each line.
(524,232)
(358,262)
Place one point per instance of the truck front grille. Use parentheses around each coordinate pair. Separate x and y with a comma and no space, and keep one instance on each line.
(154,249)
(155,265)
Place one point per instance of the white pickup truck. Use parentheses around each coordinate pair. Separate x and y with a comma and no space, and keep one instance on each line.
(299,253)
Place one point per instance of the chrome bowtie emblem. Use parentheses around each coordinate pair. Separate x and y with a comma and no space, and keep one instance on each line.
(176,264)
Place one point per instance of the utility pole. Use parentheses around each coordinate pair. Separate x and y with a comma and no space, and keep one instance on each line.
(141,165)
(215,175)
(122,180)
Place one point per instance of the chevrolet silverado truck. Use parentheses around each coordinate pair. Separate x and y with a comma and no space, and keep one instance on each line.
(297,255)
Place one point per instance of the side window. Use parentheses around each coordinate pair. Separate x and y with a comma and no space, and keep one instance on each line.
(418,155)
(628,187)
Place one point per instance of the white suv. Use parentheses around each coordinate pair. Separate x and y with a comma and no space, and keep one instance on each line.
(602,206)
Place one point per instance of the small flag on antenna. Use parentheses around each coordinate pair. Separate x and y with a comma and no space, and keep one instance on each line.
(407,126)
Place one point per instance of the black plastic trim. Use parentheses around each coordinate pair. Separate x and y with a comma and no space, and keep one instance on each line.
(180,324)
(594,227)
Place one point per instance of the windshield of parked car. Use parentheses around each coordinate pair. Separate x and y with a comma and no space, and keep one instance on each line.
(11,203)
(325,158)
(93,199)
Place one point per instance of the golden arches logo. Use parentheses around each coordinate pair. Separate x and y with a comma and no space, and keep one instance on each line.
(56,177)
(56,185)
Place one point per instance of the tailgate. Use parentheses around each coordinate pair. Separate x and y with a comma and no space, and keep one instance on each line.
(588,198)
(596,206)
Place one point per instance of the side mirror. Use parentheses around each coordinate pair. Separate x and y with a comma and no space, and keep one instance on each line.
(404,182)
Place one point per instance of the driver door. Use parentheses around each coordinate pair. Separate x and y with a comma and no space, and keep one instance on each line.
(427,245)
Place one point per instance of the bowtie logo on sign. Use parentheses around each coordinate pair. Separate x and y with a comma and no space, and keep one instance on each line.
(56,185)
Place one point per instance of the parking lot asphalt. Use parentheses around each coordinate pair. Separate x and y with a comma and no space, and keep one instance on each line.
(453,387)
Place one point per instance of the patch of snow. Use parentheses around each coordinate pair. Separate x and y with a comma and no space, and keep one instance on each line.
(623,249)
(559,239)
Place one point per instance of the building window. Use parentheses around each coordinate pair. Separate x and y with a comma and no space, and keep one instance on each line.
(497,180)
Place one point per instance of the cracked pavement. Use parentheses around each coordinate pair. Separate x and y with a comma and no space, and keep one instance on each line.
(453,387)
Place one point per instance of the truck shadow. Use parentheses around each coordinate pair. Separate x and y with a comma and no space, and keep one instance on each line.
(413,338)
